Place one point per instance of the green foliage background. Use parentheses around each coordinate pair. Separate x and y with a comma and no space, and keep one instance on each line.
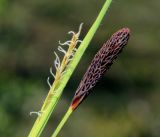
(126,101)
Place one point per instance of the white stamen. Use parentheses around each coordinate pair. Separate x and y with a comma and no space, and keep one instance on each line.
(72,32)
(79,41)
(70,60)
(80,28)
(57,61)
(65,43)
(56,65)
(75,49)
(52,72)
(62,50)
(48,82)
(39,113)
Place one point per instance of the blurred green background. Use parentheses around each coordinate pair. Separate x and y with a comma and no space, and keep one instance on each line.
(126,103)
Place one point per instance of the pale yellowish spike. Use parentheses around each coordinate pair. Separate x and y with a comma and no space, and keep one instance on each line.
(61,65)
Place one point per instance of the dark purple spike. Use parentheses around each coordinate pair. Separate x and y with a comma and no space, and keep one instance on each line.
(100,64)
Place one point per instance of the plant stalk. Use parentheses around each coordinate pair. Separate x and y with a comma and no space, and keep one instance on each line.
(43,118)
(63,121)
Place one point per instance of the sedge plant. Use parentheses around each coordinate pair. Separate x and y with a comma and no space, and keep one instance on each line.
(99,65)
(64,70)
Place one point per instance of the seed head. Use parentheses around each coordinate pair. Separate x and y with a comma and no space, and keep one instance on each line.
(100,64)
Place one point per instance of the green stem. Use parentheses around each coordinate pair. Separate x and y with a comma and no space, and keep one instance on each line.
(43,119)
(63,121)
